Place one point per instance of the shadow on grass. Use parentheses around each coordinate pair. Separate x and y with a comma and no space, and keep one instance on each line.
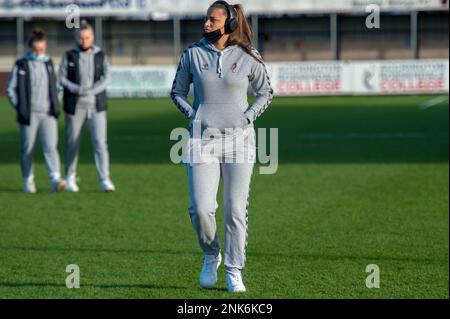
(307,134)
(112,286)
(309,256)
(47,191)
(16,190)
(102,250)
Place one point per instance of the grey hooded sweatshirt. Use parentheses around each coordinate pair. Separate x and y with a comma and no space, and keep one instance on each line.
(221,79)
(87,88)
(40,99)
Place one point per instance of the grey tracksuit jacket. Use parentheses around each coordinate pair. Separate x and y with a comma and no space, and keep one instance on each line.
(87,86)
(221,79)
(39,85)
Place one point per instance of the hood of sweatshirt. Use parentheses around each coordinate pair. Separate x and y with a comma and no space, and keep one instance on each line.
(95,49)
(210,46)
(31,57)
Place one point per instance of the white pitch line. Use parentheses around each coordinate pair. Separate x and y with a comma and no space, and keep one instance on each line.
(433,102)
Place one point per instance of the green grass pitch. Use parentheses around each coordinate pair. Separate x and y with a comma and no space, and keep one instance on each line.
(361,180)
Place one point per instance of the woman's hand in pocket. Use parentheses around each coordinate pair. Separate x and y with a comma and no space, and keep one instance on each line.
(244,120)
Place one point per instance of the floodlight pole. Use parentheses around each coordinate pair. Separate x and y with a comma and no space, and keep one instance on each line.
(19,36)
(413,35)
(334,36)
(98,31)
(176,38)
(255,30)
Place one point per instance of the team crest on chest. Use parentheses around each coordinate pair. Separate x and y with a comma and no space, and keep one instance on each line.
(234,68)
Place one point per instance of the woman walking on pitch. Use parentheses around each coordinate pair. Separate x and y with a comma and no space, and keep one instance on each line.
(221,66)
(32,92)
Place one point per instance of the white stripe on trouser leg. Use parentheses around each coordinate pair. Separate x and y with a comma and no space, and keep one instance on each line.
(246,224)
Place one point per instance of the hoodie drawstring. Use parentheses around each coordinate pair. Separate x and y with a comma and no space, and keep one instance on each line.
(219,64)
(209,46)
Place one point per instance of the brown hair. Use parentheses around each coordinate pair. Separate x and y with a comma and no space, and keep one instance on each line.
(37,35)
(84,25)
(242,36)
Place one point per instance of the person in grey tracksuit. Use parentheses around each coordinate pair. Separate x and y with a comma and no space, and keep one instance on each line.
(84,74)
(220,80)
(33,94)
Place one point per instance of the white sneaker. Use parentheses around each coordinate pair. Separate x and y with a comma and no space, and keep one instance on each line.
(107,186)
(58,185)
(29,186)
(71,184)
(234,282)
(208,275)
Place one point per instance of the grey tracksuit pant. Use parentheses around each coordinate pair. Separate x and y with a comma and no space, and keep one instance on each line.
(203,186)
(204,178)
(46,126)
(97,126)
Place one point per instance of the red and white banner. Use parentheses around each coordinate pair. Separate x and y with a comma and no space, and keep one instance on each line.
(306,78)
(360,77)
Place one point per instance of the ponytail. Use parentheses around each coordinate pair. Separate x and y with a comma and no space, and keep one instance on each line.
(242,36)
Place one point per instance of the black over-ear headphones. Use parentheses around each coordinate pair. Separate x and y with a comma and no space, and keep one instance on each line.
(231,23)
